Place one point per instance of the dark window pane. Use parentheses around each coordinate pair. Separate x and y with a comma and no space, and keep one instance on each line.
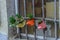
(28,6)
(21,7)
(50,29)
(38,8)
(58,28)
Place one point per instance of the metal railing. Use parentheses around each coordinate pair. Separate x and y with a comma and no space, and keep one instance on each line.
(37,18)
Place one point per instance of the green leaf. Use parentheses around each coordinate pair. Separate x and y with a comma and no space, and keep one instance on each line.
(12,20)
(39,21)
(30,15)
(19,16)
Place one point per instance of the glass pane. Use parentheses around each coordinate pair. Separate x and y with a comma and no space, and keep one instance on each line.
(38,8)
(30,30)
(50,29)
(49,8)
(57,14)
(29,6)
(21,7)
(58,29)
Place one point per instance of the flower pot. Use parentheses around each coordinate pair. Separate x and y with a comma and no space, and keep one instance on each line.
(42,25)
(30,22)
(21,25)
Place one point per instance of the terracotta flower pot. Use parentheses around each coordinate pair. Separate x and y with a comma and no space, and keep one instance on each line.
(30,22)
(41,25)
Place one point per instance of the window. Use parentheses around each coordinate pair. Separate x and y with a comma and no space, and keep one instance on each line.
(51,15)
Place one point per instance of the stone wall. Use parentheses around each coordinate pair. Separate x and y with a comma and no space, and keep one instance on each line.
(11,11)
(3,14)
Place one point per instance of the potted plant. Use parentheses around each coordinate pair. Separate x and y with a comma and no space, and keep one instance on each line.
(42,25)
(12,24)
(20,21)
(30,21)
(12,21)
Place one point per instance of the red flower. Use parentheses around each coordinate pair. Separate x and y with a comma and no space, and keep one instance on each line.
(30,22)
(42,25)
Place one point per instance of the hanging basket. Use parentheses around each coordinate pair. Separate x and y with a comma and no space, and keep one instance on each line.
(30,22)
(42,25)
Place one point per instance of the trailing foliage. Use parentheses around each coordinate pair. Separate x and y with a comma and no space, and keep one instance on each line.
(12,20)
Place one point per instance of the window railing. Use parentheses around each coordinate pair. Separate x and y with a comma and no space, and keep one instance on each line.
(54,19)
